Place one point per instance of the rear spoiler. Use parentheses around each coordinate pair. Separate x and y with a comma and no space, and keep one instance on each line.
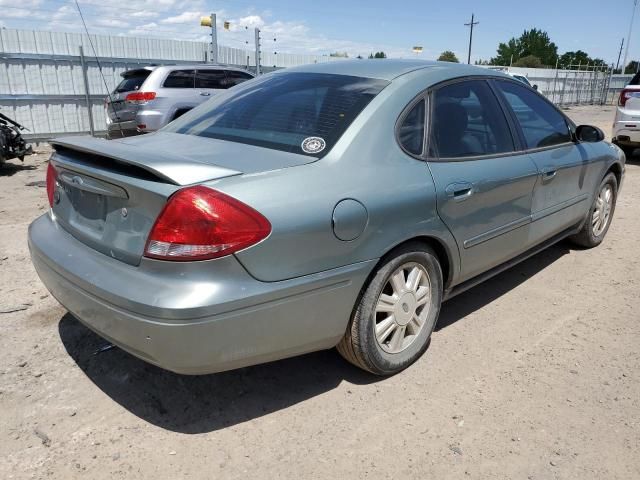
(168,167)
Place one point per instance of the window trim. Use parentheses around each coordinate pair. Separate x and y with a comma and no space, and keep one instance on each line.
(571,126)
(514,137)
(424,95)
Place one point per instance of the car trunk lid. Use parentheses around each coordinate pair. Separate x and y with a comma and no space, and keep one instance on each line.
(111,192)
(118,109)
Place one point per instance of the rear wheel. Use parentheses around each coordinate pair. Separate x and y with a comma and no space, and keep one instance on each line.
(393,321)
(599,218)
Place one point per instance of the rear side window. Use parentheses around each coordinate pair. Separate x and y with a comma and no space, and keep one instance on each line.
(211,79)
(411,131)
(132,81)
(296,112)
(234,77)
(542,125)
(180,79)
(467,121)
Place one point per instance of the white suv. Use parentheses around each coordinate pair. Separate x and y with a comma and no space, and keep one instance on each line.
(150,97)
(626,126)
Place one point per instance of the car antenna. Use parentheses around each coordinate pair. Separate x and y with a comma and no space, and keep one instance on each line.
(84,24)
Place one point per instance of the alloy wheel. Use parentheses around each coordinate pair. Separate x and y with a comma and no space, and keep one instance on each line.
(402,307)
(602,210)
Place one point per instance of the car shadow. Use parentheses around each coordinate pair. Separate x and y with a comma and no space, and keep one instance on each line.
(10,169)
(486,292)
(205,403)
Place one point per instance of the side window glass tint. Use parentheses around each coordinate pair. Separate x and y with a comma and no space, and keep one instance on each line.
(179,79)
(211,79)
(235,77)
(467,121)
(541,124)
(411,132)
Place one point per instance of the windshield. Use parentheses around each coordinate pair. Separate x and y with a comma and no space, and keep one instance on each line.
(132,81)
(295,112)
(635,80)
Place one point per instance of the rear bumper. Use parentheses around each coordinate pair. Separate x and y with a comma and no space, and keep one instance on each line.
(626,128)
(122,129)
(199,317)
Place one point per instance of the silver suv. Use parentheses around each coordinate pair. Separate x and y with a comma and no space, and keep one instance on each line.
(150,97)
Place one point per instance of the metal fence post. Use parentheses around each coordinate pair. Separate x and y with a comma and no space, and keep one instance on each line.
(87,94)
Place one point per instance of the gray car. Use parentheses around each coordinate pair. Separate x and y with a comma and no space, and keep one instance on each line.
(329,205)
(150,97)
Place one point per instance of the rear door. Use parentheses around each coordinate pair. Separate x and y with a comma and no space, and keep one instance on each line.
(566,179)
(484,188)
(177,93)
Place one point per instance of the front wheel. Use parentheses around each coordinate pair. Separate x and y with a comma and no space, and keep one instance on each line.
(599,217)
(393,321)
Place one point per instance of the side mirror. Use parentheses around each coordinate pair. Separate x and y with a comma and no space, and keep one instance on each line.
(589,133)
(535,87)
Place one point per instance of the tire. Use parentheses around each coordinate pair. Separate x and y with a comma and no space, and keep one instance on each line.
(593,232)
(404,314)
(628,151)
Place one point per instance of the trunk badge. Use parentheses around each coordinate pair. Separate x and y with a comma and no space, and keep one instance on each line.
(124,212)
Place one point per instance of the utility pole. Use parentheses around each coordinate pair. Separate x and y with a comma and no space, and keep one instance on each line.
(257,31)
(626,50)
(470,25)
(619,53)
(214,39)
(210,21)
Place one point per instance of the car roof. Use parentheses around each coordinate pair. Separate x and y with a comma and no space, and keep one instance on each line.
(388,69)
(189,66)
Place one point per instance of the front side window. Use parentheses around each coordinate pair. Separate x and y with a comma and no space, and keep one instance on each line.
(411,131)
(296,112)
(211,79)
(542,125)
(180,79)
(235,77)
(467,121)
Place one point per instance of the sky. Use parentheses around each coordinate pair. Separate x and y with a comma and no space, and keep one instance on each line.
(354,27)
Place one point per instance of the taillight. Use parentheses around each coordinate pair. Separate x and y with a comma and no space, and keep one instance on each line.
(625,95)
(199,223)
(140,97)
(52,178)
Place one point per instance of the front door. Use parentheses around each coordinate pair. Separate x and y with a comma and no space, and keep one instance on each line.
(562,192)
(484,188)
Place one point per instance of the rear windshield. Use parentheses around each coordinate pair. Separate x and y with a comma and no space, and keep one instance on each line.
(132,81)
(635,80)
(296,112)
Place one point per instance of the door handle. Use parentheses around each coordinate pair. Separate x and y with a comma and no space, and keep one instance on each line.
(205,94)
(548,174)
(459,191)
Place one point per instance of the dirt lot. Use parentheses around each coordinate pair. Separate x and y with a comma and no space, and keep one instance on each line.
(531,375)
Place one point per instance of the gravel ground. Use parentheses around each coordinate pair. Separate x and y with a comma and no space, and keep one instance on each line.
(531,375)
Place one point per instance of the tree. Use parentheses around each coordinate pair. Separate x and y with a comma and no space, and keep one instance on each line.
(378,55)
(339,54)
(632,67)
(532,42)
(448,56)
(578,58)
(530,61)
